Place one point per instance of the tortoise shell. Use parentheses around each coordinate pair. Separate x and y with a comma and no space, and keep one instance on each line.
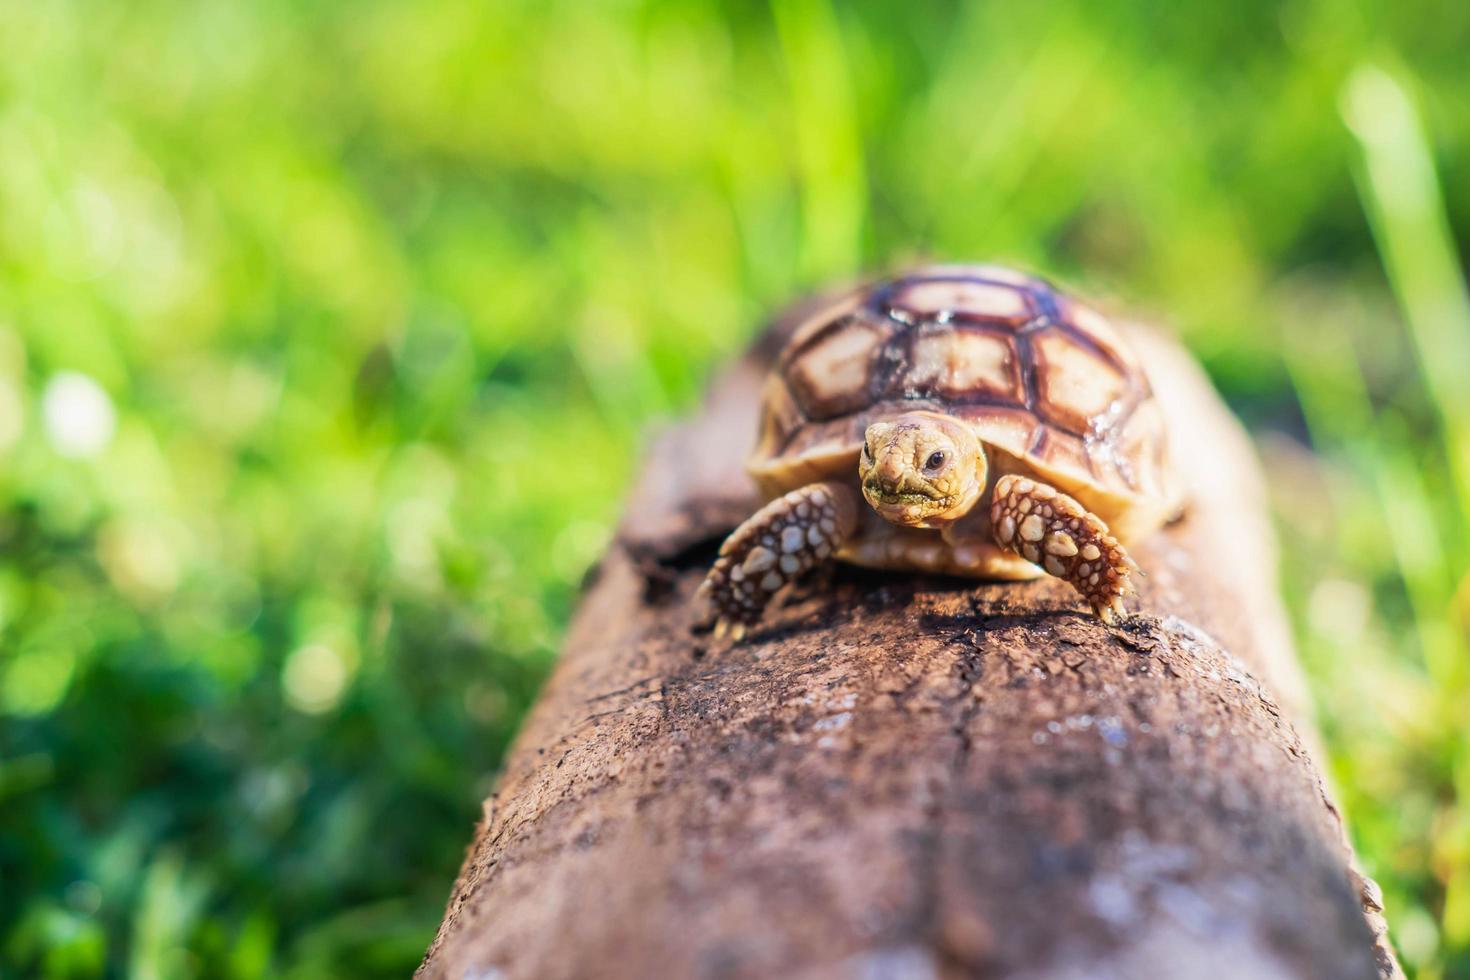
(1042,378)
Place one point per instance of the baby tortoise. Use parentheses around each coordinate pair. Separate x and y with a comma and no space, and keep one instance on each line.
(996,428)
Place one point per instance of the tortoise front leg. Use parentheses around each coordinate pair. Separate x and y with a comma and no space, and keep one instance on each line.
(779,542)
(1050,529)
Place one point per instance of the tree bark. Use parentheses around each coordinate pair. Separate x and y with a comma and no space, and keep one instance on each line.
(904,776)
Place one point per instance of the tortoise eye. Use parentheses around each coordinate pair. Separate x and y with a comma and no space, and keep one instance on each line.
(867,452)
(934,461)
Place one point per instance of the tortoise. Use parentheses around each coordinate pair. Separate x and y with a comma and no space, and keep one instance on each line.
(996,428)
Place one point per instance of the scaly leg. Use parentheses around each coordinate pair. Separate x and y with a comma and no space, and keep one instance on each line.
(1050,529)
(778,543)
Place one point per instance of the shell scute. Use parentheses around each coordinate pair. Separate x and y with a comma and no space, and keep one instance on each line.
(1076,389)
(962,364)
(831,374)
(959,299)
(1096,328)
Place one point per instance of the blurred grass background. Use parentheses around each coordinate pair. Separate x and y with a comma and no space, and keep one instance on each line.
(330,332)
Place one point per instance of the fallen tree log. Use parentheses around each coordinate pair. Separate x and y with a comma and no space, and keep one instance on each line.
(900,776)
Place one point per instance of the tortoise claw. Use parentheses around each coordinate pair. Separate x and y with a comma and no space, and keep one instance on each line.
(1111,613)
(731,629)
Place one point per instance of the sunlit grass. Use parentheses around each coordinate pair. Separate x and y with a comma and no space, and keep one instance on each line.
(1426,494)
(330,335)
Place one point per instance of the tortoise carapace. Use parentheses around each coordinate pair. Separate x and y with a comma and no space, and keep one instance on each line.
(963,420)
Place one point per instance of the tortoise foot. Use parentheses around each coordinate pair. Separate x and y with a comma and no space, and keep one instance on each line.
(782,540)
(1050,529)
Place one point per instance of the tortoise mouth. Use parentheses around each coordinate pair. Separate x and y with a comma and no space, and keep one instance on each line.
(909,507)
(908,497)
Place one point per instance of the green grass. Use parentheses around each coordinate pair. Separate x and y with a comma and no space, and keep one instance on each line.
(384,297)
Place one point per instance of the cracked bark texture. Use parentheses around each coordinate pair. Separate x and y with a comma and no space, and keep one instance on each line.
(900,776)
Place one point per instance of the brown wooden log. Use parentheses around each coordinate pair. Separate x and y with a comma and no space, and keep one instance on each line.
(910,777)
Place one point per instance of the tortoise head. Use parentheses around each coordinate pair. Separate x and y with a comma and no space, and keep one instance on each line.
(921,469)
